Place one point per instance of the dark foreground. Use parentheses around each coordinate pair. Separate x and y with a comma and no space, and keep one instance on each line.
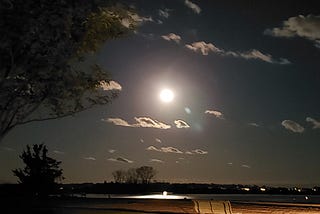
(125,206)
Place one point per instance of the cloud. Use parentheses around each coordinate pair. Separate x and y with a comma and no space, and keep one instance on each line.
(180,124)
(307,27)
(245,166)
(292,126)
(112,85)
(118,122)
(135,19)
(172,37)
(120,159)
(153,148)
(255,54)
(145,122)
(141,140)
(200,152)
(171,150)
(148,122)
(58,152)
(316,124)
(164,13)
(89,158)
(156,161)
(165,149)
(254,124)
(111,151)
(196,152)
(158,140)
(205,48)
(230,164)
(217,114)
(193,6)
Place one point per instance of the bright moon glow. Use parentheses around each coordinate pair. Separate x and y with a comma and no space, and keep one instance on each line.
(166,95)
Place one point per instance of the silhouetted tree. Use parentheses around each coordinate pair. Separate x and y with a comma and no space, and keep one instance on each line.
(145,174)
(131,176)
(119,176)
(40,173)
(42,43)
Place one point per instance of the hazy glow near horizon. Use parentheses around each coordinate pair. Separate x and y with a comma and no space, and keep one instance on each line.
(166,95)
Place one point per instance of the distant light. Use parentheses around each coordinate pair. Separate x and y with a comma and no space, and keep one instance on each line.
(246,189)
(164,193)
(306,197)
(262,189)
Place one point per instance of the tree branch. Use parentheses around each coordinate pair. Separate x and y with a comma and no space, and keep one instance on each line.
(54,117)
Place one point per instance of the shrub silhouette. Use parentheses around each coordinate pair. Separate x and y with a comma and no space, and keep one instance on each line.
(40,173)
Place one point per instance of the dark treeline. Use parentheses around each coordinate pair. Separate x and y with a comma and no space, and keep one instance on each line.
(176,188)
(192,188)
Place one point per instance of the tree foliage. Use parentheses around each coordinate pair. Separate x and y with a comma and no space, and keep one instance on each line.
(42,43)
(40,173)
(143,175)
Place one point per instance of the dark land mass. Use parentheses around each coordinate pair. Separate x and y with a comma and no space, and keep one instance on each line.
(192,188)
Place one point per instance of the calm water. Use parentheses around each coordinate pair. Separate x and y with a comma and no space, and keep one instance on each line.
(231,197)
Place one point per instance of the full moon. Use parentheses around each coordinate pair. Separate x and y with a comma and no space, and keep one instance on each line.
(166,95)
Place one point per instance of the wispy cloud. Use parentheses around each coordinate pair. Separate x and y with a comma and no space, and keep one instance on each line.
(153,148)
(120,159)
(217,114)
(145,122)
(165,149)
(141,140)
(135,19)
(193,6)
(164,13)
(89,158)
(148,122)
(156,160)
(205,48)
(200,152)
(58,152)
(196,152)
(158,140)
(292,126)
(111,151)
(254,124)
(172,37)
(245,166)
(255,54)
(307,27)
(118,122)
(112,85)
(180,124)
(316,124)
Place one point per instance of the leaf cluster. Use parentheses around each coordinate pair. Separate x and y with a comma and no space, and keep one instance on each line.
(43,47)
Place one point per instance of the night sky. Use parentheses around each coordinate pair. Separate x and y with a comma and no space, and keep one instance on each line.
(246,109)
